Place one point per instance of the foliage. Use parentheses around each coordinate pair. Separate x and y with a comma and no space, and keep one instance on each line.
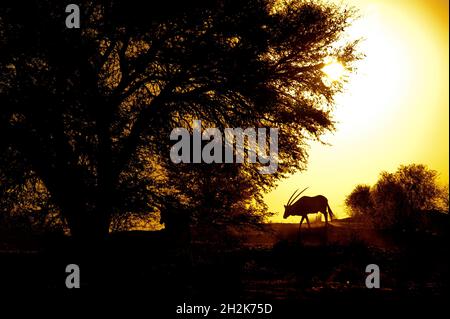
(89,111)
(28,207)
(442,203)
(359,201)
(398,199)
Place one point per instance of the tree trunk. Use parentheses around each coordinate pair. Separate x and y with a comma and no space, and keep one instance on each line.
(86,226)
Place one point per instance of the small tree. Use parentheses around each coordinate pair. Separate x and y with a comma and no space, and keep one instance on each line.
(359,201)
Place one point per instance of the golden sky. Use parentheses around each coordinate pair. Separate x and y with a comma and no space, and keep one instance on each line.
(394,111)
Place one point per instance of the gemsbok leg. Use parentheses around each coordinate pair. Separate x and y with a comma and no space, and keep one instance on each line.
(301,221)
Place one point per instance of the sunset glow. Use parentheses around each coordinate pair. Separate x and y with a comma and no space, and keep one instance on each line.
(394,109)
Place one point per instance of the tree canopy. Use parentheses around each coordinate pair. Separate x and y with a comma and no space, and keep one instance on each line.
(87,112)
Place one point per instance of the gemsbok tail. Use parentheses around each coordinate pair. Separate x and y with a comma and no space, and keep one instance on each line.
(330,212)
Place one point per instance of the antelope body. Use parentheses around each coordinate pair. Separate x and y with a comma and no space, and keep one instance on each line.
(307,205)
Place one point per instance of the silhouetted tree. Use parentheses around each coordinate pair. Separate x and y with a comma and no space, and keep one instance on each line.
(88,111)
(420,186)
(398,199)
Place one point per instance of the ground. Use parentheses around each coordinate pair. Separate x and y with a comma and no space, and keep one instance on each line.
(274,264)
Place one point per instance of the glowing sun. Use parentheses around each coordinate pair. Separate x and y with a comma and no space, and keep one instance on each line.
(334,70)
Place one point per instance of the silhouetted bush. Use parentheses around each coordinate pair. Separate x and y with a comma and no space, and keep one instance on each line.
(359,201)
(398,200)
(90,112)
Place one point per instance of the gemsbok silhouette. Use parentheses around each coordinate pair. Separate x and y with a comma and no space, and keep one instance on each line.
(307,205)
